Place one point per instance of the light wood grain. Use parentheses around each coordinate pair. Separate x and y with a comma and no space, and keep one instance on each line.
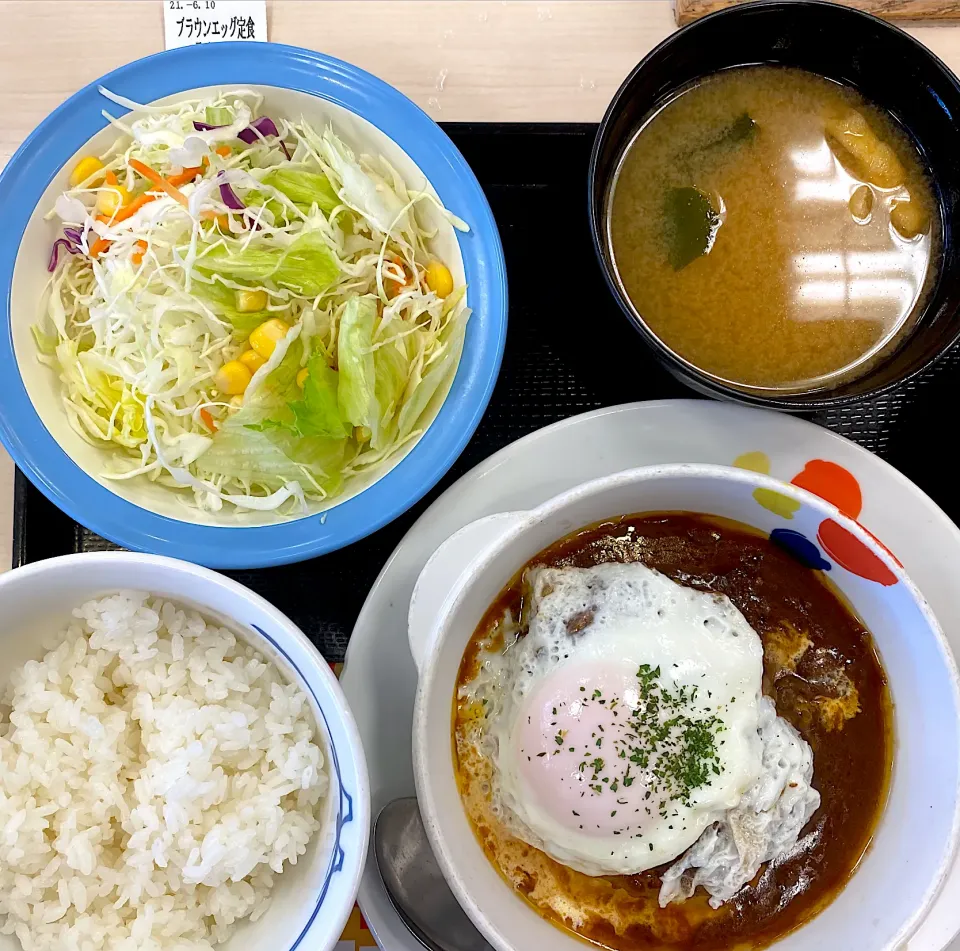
(461,60)
(480,60)
(689,10)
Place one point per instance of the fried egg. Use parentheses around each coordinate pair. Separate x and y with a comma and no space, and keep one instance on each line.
(624,729)
(764,825)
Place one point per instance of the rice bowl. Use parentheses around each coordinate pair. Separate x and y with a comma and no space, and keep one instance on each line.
(154,772)
(138,810)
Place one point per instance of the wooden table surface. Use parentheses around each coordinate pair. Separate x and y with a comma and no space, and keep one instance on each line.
(460,60)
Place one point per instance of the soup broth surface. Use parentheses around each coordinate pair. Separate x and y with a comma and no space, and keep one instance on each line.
(820,668)
(788,186)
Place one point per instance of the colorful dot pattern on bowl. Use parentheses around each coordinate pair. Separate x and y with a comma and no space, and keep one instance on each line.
(839,487)
(801,548)
(776,502)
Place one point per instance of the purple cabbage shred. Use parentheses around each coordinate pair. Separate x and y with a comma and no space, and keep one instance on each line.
(229,197)
(265,126)
(70,243)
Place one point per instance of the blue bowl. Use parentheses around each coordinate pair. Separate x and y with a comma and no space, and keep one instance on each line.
(43,156)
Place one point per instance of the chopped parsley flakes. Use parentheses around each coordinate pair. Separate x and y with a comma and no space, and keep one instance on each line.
(666,742)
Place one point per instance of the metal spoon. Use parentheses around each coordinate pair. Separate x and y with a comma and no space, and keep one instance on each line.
(415,883)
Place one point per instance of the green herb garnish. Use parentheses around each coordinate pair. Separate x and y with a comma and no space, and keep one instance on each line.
(668,742)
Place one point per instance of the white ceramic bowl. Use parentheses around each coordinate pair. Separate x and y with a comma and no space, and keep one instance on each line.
(312,899)
(917,835)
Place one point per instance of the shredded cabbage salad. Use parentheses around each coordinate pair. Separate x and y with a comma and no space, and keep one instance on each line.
(242,308)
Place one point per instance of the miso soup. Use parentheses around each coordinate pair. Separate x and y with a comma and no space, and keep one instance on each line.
(774,229)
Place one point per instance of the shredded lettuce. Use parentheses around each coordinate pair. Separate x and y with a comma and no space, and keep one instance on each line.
(273,389)
(46,343)
(308,267)
(422,391)
(303,187)
(218,115)
(222,300)
(392,368)
(357,395)
(331,244)
(318,412)
(363,189)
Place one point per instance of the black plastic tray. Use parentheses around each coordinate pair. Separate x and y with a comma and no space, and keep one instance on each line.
(569,349)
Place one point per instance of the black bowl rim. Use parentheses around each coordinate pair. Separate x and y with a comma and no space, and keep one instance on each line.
(801,401)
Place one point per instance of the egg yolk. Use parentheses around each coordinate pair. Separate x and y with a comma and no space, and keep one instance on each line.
(578,755)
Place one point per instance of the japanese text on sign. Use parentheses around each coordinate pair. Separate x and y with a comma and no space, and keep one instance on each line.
(187,22)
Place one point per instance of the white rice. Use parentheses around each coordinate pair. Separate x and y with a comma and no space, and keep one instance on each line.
(155,774)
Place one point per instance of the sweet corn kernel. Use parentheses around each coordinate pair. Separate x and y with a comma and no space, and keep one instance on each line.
(439,279)
(302,377)
(86,167)
(362,433)
(110,200)
(232,378)
(266,337)
(251,360)
(248,302)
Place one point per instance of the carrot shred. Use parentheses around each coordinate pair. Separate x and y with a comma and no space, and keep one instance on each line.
(208,420)
(157,179)
(128,211)
(110,178)
(187,175)
(106,219)
(392,286)
(137,256)
(222,219)
(99,246)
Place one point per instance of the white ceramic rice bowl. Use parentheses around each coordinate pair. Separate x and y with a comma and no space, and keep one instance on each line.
(311,901)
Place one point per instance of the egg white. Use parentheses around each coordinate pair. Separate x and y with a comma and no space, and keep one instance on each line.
(605,622)
(764,825)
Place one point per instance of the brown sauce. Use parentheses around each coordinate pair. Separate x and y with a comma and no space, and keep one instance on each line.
(821,669)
